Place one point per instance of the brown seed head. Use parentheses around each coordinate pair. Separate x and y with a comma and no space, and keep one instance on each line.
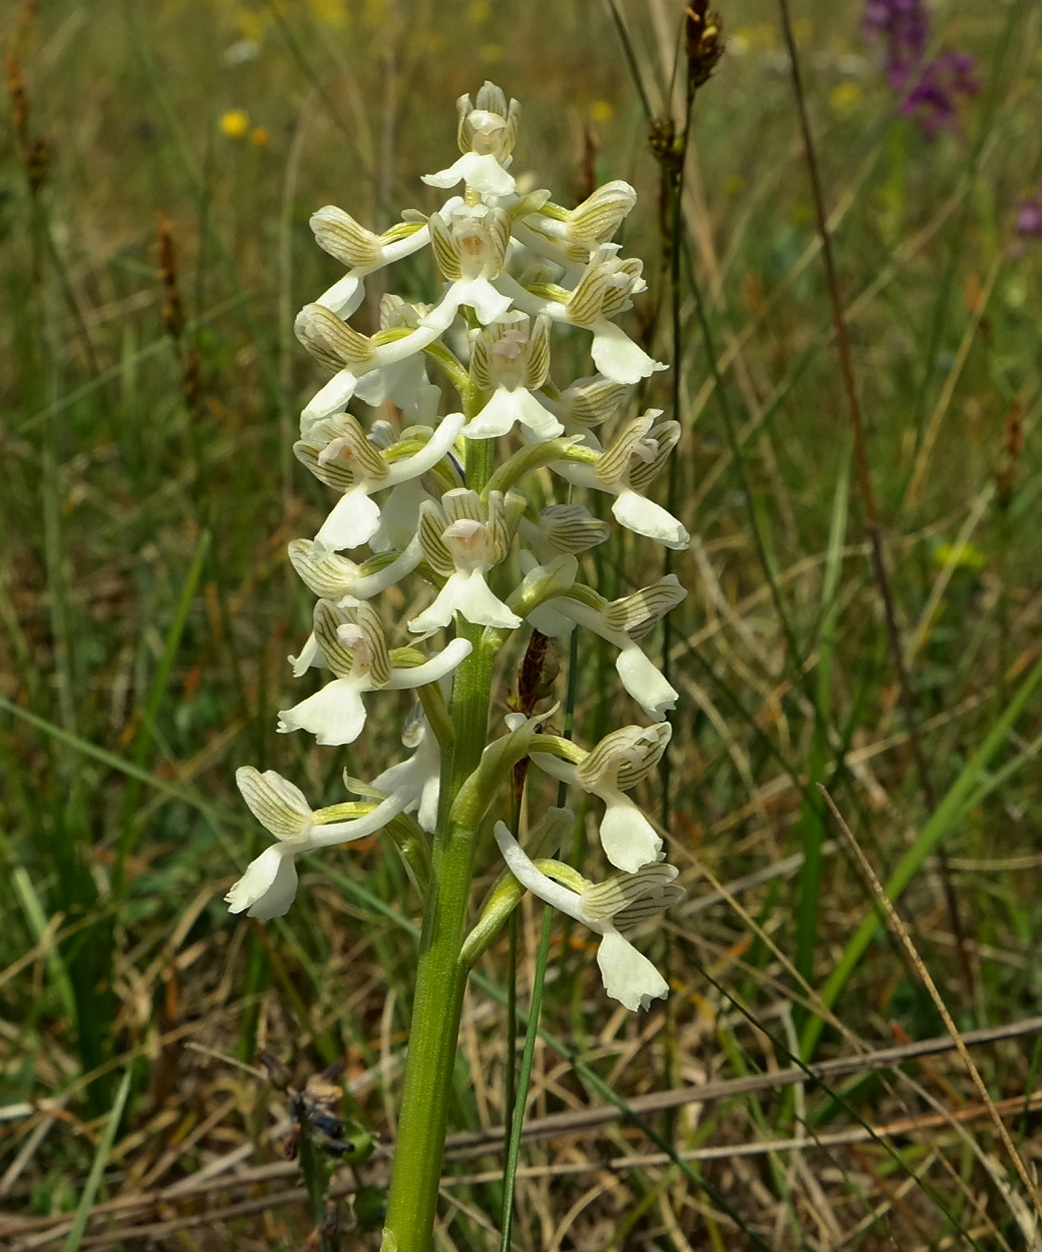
(703,35)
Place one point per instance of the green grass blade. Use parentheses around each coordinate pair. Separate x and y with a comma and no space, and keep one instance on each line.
(36,917)
(129,832)
(811,827)
(961,794)
(97,1168)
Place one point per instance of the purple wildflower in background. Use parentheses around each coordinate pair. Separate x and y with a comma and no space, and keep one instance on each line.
(932,98)
(929,89)
(905,27)
(1029,216)
(1027,225)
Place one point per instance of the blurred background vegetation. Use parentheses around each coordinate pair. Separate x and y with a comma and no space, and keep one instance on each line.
(158,168)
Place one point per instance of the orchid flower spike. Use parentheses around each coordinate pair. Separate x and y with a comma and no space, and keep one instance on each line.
(616,764)
(607,908)
(352,643)
(269,885)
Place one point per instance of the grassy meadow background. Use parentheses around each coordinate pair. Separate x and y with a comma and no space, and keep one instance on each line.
(172,152)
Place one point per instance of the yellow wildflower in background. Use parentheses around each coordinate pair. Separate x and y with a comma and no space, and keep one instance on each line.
(331,13)
(252,25)
(235,123)
(602,112)
(845,97)
(960,556)
(762,38)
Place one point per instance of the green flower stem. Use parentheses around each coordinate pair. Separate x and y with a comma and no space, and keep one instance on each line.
(441,977)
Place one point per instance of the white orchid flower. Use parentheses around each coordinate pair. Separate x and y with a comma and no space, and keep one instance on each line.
(405,382)
(469,242)
(511,358)
(418,778)
(567,237)
(336,578)
(269,885)
(626,469)
(601,293)
(353,645)
(622,623)
(589,402)
(362,251)
(606,908)
(338,452)
(352,356)
(462,540)
(486,136)
(616,764)
(562,528)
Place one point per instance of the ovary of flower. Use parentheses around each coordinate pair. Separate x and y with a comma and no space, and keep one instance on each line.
(511,358)
(567,237)
(621,622)
(352,355)
(353,645)
(620,901)
(269,885)
(486,136)
(362,251)
(602,292)
(625,470)
(462,540)
(617,763)
(470,245)
(338,452)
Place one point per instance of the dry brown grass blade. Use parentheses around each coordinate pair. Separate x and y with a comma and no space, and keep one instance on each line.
(1010,1107)
(478,1143)
(48,1230)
